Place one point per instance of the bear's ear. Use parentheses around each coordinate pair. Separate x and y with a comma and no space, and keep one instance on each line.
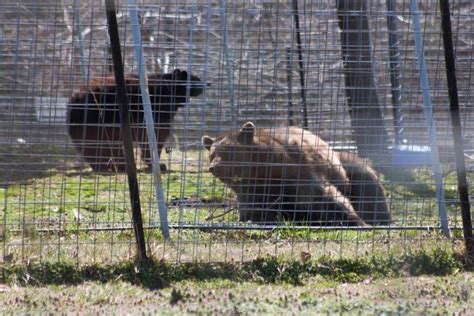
(246,133)
(176,75)
(180,74)
(183,76)
(207,142)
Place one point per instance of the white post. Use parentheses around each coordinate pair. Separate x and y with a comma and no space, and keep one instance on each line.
(150,125)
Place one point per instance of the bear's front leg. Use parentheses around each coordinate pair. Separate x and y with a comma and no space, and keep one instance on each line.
(342,204)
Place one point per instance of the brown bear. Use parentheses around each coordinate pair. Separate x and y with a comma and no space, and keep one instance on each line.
(293,175)
(367,194)
(93,116)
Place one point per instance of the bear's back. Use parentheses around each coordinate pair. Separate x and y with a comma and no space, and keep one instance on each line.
(298,142)
(99,99)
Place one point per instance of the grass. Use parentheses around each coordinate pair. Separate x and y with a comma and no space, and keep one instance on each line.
(159,274)
(424,281)
(298,271)
(68,199)
(76,196)
(407,295)
(67,196)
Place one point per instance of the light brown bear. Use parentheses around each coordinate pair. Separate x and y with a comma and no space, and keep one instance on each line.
(293,175)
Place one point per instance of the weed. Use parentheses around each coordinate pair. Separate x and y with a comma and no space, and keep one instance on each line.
(288,231)
(157,274)
(437,262)
(176,296)
(272,269)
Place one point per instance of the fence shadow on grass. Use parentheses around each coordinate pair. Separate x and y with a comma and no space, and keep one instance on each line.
(158,274)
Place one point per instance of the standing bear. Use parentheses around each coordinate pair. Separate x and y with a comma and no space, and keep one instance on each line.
(292,174)
(93,116)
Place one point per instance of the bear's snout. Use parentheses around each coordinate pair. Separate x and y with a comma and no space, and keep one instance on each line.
(212,169)
(213,166)
(218,171)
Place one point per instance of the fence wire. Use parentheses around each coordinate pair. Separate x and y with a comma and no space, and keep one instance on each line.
(250,189)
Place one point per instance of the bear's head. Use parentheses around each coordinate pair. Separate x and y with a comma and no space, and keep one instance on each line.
(176,84)
(234,155)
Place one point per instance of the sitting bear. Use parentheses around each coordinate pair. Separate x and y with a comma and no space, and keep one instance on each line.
(93,116)
(291,174)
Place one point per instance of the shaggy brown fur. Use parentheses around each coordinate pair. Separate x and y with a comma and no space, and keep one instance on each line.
(94,116)
(292,174)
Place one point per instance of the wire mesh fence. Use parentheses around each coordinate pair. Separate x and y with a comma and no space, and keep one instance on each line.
(362,177)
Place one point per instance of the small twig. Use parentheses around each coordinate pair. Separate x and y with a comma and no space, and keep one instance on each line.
(212,216)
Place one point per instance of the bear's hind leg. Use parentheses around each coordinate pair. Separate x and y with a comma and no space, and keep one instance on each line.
(334,208)
(142,140)
(90,143)
(367,193)
(105,153)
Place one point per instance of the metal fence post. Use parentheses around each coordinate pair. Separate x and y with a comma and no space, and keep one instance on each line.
(78,22)
(126,131)
(456,125)
(228,64)
(394,57)
(150,124)
(428,109)
(299,48)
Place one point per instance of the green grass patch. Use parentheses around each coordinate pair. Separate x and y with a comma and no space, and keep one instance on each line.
(75,197)
(159,274)
(83,197)
(69,200)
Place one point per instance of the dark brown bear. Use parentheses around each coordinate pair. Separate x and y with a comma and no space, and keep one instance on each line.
(94,116)
(291,174)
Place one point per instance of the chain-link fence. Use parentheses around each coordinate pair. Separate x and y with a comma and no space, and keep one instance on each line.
(374,170)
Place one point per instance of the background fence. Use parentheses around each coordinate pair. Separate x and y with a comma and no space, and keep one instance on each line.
(55,207)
